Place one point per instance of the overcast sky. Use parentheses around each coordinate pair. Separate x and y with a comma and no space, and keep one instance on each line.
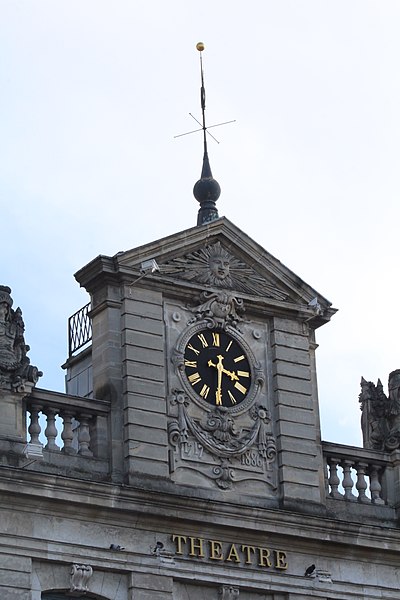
(92,94)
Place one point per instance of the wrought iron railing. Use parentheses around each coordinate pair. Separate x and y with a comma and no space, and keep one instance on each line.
(79,329)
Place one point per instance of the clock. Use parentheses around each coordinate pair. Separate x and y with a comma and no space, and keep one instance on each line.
(217,368)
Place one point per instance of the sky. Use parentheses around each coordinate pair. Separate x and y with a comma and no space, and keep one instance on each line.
(93,93)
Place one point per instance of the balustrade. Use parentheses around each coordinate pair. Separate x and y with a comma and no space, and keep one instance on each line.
(354,474)
(70,423)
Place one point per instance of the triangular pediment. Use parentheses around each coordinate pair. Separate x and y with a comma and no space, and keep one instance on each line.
(217,256)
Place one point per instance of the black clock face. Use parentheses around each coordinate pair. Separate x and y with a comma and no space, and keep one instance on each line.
(217,368)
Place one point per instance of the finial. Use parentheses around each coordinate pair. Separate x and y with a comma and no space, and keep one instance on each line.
(206,190)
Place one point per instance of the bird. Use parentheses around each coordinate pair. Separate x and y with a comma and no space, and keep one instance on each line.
(309,571)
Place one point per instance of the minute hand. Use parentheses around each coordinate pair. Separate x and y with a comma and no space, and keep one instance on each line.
(221,369)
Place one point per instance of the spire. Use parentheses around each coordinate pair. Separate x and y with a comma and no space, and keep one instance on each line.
(206,190)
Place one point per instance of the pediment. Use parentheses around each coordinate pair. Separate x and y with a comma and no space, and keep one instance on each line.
(216,256)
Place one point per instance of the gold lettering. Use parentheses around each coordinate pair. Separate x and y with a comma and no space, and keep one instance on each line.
(215,550)
(215,339)
(229,345)
(233,552)
(194,546)
(247,550)
(264,554)
(240,387)
(193,349)
(191,363)
(280,560)
(179,539)
(203,340)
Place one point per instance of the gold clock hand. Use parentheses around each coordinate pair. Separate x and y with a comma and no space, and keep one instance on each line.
(231,374)
(218,394)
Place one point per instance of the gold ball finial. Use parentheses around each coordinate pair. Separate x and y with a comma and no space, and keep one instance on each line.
(200,46)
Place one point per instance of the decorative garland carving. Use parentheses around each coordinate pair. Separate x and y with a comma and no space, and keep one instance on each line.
(216,433)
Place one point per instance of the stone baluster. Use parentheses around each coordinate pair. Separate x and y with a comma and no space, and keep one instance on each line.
(374,485)
(334,480)
(67,435)
(34,427)
(51,429)
(84,435)
(361,483)
(348,482)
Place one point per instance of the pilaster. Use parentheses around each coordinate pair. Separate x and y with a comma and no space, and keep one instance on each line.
(296,414)
(143,366)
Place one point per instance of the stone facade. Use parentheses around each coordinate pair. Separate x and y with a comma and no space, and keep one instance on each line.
(185,460)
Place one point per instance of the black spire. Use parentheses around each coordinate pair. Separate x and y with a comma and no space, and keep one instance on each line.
(206,190)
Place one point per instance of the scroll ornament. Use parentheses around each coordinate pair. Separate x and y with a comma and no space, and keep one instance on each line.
(217,434)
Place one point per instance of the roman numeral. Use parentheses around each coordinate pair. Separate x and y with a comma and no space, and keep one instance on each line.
(203,340)
(194,378)
(232,397)
(193,349)
(204,391)
(239,358)
(243,374)
(229,345)
(240,387)
(215,339)
(191,363)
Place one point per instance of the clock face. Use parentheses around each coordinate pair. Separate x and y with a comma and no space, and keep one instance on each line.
(217,368)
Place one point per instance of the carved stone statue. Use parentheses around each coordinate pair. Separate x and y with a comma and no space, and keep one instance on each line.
(380,419)
(15,368)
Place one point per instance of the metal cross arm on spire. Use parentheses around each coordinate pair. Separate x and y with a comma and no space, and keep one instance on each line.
(203,126)
(207,128)
(206,190)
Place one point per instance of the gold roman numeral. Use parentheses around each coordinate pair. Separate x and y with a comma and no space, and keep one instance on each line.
(240,387)
(229,345)
(215,339)
(203,340)
(243,374)
(204,391)
(194,378)
(191,363)
(239,358)
(232,397)
(193,349)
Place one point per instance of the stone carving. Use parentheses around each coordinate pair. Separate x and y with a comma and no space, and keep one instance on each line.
(80,575)
(228,592)
(218,309)
(15,367)
(213,265)
(380,419)
(216,434)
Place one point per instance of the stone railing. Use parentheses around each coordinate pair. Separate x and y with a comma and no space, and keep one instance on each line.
(356,474)
(68,425)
